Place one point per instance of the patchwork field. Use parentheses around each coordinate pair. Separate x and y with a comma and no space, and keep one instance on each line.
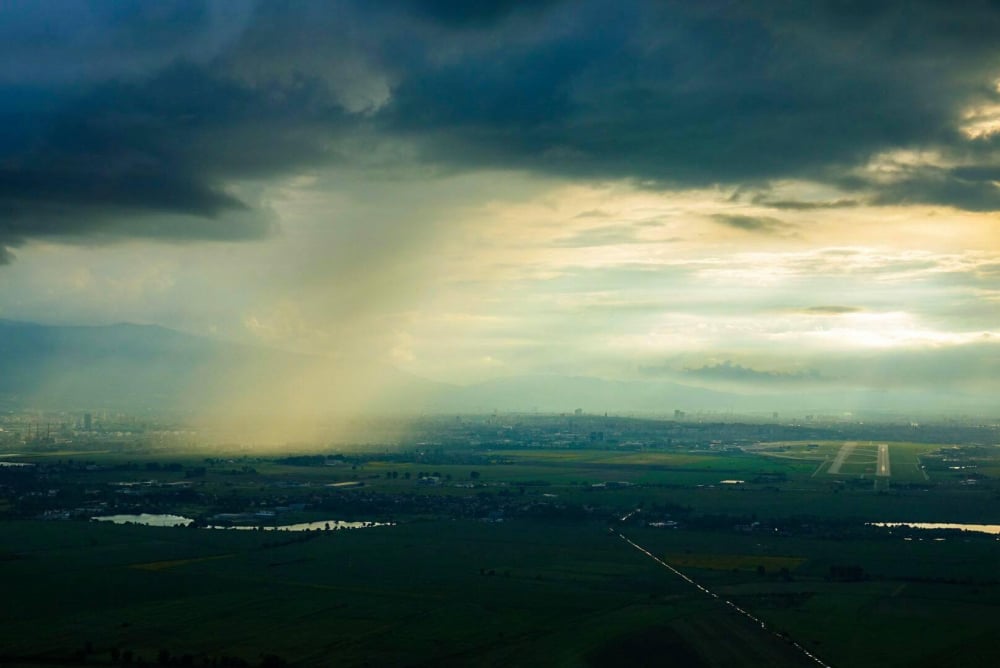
(950,586)
(504,557)
(733,562)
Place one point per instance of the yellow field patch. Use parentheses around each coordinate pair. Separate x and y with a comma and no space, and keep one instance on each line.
(164,565)
(728,562)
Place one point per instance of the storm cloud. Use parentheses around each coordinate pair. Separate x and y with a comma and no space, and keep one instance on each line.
(142,120)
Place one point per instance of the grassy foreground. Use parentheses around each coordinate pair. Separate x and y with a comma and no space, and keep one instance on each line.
(433,593)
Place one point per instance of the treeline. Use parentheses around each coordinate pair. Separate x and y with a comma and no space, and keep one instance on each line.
(117,656)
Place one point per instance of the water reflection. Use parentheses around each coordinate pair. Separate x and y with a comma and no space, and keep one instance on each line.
(326,525)
(993,529)
(154,520)
(147,519)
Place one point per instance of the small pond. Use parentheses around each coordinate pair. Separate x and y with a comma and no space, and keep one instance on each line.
(155,520)
(148,519)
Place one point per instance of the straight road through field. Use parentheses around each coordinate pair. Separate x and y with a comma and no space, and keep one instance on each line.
(845,451)
(803,652)
(882,469)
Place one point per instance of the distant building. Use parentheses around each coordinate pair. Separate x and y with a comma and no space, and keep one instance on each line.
(88,421)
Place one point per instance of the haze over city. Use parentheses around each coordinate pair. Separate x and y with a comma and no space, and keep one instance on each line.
(762,198)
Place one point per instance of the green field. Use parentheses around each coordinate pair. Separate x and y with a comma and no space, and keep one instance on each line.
(422,594)
(504,557)
(949,588)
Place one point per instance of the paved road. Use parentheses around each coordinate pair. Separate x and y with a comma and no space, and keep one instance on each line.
(805,654)
(882,469)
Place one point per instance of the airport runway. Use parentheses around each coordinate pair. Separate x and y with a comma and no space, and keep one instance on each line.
(882,468)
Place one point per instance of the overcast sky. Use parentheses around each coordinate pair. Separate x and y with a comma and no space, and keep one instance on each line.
(729,194)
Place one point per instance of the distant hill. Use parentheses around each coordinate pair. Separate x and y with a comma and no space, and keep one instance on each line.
(128,367)
(122,365)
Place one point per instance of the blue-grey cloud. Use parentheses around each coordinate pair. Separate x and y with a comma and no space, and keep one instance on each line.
(707,95)
(122,118)
(73,42)
(728,371)
(971,189)
(803,205)
(606,235)
(966,367)
(458,13)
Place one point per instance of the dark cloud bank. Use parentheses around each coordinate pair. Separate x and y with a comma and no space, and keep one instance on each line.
(137,119)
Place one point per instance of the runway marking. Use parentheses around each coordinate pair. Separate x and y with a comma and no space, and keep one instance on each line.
(882,468)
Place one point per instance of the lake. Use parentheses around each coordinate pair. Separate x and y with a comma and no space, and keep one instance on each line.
(310,526)
(993,529)
(154,520)
(147,519)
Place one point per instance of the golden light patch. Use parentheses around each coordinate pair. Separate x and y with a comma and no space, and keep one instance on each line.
(981,122)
